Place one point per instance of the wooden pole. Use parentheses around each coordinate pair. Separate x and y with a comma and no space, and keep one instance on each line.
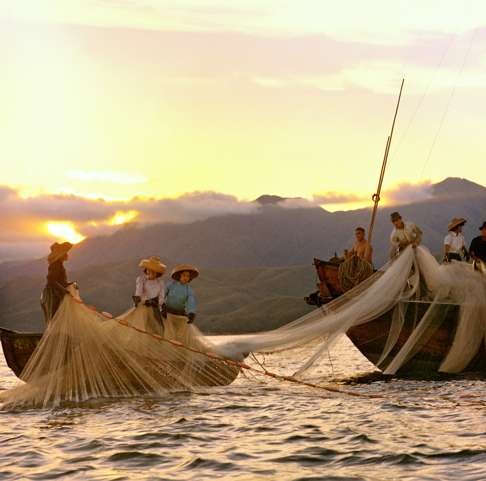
(376,196)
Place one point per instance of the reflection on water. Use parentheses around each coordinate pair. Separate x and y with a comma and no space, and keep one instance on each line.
(258,430)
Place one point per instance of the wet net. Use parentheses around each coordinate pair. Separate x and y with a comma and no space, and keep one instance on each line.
(85,354)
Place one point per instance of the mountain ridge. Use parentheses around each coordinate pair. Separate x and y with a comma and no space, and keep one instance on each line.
(272,236)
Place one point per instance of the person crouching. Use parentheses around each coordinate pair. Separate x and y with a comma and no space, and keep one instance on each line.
(180,305)
(150,293)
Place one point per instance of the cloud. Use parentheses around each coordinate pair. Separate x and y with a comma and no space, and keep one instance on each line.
(26,218)
(407,193)
(337,198)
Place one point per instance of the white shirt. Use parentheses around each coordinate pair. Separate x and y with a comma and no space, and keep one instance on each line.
(147,288)
(409,234)
(455,241)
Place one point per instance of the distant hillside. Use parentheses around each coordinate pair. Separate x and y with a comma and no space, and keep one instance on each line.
(456,187)
(273,236)
(242,300)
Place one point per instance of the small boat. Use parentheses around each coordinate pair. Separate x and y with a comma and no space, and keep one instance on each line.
(18,347)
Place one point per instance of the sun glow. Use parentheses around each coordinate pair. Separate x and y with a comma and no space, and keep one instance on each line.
(64,231)
(122,217)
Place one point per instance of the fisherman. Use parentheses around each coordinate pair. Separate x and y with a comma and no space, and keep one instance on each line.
(180,303)
(57,282)
(150,289)
(477,250)
(404,234)
(454,242)
(361,248)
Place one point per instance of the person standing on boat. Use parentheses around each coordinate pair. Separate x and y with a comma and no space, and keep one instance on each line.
(180,304)
(454,242)
(404,234)
(477,250)
(150,292)
(361,248)
(57,282)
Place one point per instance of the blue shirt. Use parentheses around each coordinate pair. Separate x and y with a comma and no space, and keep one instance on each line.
(180,297)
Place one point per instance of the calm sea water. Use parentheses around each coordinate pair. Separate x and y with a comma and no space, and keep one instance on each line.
(255,430)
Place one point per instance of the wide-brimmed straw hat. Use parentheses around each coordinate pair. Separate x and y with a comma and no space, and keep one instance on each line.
(456,222)
(58,251)
(153,263)
(183,268)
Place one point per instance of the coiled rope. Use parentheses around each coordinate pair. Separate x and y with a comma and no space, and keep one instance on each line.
(353,271)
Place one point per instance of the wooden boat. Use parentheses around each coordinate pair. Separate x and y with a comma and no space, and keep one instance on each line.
(19,346)
(330,274)
(370,339)
(328,286)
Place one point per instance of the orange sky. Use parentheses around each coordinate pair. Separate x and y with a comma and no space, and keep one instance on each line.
(159,98)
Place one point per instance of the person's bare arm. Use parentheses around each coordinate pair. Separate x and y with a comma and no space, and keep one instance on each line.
(418,236)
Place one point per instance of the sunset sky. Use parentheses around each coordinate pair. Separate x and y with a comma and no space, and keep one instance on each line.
(220,102)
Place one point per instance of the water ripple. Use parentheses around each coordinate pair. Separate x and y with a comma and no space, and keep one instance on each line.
(417,431)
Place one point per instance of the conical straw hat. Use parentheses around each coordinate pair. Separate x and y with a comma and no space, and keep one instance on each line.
(455,222)
(153,263)
(185,267)
(58,251)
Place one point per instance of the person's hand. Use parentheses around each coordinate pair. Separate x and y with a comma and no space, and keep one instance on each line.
(136,300)
(163,311)
(152,302)
(191,316)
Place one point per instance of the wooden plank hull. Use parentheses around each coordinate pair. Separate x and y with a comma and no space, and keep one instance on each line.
(370,339)
(19,346)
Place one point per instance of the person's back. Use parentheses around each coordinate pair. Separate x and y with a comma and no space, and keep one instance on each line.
(478,245)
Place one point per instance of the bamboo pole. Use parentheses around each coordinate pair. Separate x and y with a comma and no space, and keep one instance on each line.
(376,196)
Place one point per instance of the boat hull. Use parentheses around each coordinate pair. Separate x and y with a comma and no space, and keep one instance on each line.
(370,339)
(18,348)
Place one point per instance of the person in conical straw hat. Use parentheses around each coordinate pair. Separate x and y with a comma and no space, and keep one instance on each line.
(57,282)
(454,242)
(180,306)
(149,295)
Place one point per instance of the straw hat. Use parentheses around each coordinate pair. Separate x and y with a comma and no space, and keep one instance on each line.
(153,263)
(58,251)
(185,267)
(456,222)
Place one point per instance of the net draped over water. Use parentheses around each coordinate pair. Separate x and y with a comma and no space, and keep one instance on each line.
(84,354)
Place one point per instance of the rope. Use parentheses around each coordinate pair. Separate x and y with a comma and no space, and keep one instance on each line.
(353,271)
(230,362)
(449,101)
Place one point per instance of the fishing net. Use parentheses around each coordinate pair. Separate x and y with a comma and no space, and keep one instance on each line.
(85,354)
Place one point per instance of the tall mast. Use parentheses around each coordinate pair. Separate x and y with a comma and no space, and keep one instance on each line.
(376,196)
